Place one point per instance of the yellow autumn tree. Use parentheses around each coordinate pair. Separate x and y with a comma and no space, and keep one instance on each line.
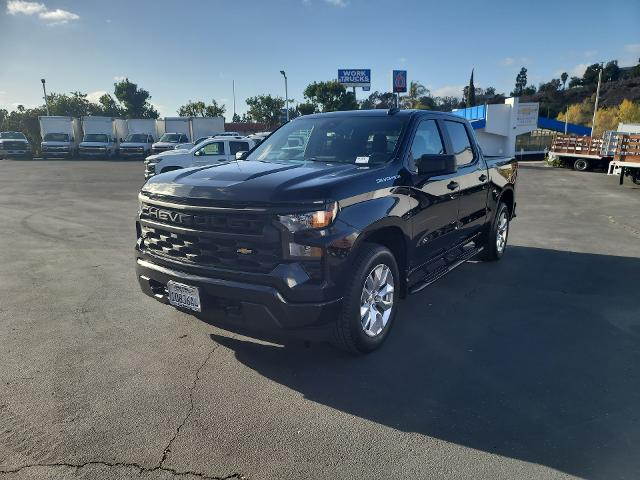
(607,118)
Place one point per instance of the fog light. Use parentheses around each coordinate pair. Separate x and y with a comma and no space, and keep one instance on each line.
(297,250)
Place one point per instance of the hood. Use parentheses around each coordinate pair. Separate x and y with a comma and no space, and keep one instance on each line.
(265,182)
(164,144)
(133,144)
(21,140)
(94,144)
(55,144)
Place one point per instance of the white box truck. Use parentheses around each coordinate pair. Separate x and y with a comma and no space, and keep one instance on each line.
(100,137)
(202,127)
(177,130)
(142,135)
(60,136)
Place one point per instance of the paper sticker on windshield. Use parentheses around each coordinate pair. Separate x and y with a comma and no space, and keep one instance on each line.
(362,159)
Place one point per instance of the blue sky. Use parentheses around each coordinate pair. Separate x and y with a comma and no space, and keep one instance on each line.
(181,50)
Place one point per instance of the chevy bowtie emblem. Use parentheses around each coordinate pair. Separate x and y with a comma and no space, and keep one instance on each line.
(244,251)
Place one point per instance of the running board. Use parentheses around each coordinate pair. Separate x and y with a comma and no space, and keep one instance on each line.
(443,270)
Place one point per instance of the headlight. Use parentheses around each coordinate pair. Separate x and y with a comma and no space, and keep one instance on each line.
(305,221)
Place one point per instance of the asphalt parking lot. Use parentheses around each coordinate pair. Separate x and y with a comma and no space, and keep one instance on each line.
(527,368)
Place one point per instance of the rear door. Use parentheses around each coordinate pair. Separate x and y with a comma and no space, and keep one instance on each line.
(471,178)
(435,211)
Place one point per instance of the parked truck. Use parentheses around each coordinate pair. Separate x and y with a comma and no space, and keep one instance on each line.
(617,152)
(143,133)
(60,136)
(100,136)
(177,130)
(326,225)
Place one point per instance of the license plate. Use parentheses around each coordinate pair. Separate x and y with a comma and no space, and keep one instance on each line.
(184,296)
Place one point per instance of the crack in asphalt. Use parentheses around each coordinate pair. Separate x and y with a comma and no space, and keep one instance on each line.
(141,469)
(167,449)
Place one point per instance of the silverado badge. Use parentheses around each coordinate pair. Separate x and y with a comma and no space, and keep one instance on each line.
(244,251)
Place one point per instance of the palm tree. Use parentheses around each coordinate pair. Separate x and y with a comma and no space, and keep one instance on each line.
(412,98)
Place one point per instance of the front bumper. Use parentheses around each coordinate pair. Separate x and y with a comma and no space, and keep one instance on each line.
(242,304)
(14,153)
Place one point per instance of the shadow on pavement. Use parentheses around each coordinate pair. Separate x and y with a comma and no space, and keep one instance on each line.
(534,358)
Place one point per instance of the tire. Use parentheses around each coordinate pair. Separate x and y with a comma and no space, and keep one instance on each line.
(636,179)
(581,165)
(351,333)
(494,247)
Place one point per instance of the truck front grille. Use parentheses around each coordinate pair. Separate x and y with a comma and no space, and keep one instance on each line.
(231,253)
(245,241)
(14,145)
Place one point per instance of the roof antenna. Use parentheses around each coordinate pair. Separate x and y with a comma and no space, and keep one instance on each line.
(393,111)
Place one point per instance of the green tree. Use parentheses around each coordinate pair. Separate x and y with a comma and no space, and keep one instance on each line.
(611,71)
(564,78)
(74,104)
(200,109)
(521,82)
(330,96)
(236,118)
(106,106)
(265,109)
(413,97)
(306,108)
(590,76)
(575,82)
(377,99)
(470,99)
(135,100)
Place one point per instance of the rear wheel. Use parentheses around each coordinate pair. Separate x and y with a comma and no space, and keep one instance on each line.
(496,240)
(370,304)
(581,165)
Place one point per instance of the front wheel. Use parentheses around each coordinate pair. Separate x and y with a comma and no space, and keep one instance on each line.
(370,304)
(496,240)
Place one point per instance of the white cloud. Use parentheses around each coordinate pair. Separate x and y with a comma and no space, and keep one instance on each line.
(52,17)
(337,3)
(448,91)
(15,7)
(578,70)
(2,92)
(505,62)
(403,60)
(119,78)
(590,53)
(95,96)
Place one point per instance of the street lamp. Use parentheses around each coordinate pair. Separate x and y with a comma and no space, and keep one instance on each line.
(286,92)
(46,100)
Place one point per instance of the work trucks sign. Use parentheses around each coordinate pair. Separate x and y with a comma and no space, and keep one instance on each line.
(354,78)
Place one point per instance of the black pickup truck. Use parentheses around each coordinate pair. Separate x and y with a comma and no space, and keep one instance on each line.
(322,228)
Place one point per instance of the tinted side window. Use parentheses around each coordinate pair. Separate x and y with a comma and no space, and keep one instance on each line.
(427,141)
(460,142)
(215,148)
(236,147)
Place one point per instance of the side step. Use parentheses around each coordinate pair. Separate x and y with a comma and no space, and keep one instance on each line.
(441,271)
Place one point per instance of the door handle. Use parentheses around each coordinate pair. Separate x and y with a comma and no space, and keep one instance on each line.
(452,185)
(482,177)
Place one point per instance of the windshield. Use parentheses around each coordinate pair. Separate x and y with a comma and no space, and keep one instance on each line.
(136,138)
(96,137)
(56,137)
(171,137)
(13,135)
(343,139)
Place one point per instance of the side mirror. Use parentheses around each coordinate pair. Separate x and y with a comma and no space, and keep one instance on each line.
(197,153)
(433,165)
(241,155)
(121,140)
(72,140)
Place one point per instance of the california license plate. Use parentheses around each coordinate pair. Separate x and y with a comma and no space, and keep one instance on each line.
(184,296)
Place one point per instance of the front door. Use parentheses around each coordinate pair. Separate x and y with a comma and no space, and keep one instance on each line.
(435,210)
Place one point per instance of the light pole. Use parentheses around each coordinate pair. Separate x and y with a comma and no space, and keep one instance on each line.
(595,107)
(286,93)
(46,100)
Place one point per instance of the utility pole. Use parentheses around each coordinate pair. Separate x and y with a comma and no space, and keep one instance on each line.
(234,99)
(286,93)
(595,108)
(46,100)
(566,120)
